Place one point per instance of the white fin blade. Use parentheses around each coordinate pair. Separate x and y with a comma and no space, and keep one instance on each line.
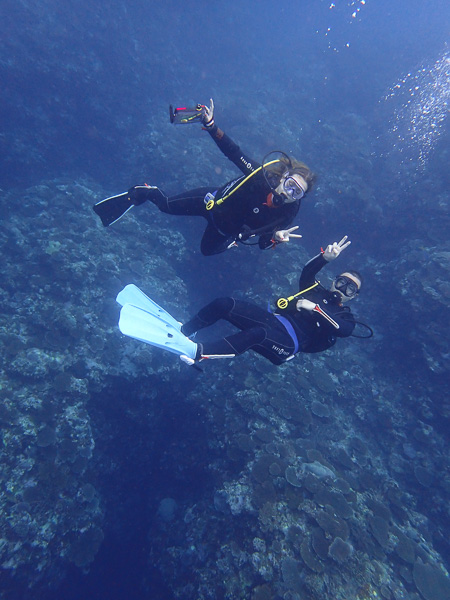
(136,323)
(131,294)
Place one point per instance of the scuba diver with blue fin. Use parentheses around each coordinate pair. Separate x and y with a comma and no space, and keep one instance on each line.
(261,204)
(309,321)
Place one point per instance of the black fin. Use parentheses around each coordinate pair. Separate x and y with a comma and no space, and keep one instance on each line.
(111,209)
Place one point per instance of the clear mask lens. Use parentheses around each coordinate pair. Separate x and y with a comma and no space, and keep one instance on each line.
(346,286)
(292,189)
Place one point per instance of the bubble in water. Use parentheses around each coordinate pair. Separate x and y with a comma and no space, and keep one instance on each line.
(348,11)
(419,121)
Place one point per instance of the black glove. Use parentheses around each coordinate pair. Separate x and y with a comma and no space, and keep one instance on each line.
(139,194)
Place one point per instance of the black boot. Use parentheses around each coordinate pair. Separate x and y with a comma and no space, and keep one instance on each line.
(140,193)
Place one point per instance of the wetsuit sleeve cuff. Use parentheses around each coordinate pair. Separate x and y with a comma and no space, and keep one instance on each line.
(267,241)
(214,131)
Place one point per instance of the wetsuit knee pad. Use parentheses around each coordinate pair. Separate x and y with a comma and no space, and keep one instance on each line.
(259,333)
(223,305)
(244,340)
(215,310)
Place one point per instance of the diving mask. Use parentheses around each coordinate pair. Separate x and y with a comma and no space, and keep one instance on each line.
(292,188)
(285,183)
(346,286)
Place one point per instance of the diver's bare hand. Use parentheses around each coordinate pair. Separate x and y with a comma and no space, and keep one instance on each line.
(305,304)
(333,250)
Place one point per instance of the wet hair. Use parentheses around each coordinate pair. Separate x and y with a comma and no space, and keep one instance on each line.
(295,167)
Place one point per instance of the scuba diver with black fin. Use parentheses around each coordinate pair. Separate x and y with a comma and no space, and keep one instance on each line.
(261,204)
(309,321)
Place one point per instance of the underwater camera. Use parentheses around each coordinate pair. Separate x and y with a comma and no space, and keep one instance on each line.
(183,115)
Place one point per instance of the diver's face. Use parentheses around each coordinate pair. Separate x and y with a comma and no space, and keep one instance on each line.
(347,286)
(292,187)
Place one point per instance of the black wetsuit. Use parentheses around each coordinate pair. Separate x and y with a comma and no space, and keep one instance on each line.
(247,211)
(264,332)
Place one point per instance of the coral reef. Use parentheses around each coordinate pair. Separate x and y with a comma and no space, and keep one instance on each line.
(325,478)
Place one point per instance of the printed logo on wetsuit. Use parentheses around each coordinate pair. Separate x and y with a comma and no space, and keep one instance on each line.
(280,351)
(256,210)
(247,163)
(229,185)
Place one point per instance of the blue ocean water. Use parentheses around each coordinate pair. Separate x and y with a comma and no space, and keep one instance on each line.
(127,474)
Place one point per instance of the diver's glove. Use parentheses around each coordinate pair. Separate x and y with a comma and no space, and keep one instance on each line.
(208,115)
(283,235)
(140,193)
(333,250)
(305,304)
